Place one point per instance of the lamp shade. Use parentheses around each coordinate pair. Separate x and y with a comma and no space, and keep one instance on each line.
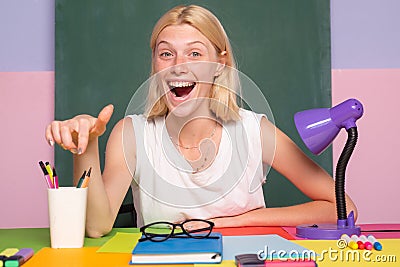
(319,127)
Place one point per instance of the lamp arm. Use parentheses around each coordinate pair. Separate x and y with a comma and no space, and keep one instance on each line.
(341,170)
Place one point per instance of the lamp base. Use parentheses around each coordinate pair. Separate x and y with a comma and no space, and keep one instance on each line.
(326,231)
(329,231)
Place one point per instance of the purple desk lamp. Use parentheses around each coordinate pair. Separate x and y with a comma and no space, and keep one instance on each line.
(318,128)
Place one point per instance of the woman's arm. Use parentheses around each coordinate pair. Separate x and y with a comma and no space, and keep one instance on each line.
(305,174)
(105,191)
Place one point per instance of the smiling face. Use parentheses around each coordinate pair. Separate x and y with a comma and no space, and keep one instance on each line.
(187,63)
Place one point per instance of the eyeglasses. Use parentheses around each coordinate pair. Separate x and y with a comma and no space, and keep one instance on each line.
(161,231)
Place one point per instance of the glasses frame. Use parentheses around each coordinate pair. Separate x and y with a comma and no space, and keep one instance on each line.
(172,234)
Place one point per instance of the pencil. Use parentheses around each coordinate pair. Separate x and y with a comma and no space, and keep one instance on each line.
(87,178)
(81,180)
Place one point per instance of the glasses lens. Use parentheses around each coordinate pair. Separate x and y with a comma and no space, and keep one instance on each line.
(198,228)
(158,231)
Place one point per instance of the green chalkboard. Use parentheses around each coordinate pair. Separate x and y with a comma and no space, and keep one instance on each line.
(103,56)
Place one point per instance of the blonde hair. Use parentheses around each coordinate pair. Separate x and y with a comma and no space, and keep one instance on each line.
(225,87)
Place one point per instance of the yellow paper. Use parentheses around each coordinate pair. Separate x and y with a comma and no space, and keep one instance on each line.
(121,243)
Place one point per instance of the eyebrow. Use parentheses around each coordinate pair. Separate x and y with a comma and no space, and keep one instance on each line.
(190,43)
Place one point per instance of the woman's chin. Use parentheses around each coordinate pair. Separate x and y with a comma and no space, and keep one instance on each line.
(188,108)
(182,110)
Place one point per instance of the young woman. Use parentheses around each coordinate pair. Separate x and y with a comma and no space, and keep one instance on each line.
(194,153)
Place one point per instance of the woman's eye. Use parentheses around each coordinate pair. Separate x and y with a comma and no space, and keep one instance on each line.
(196,54)
(166,54)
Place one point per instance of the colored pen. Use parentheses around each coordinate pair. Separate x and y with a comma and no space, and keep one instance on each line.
(81,180)
(44,170)
(350,243)
(55,178)
(46,175)
(367,244)
(19,258)
(376,244)
(49,171)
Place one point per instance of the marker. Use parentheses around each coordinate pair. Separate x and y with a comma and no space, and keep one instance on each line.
(46,175)
(19,258)
(367,244)
(5,254)
(41,164)
(350,243)
(81,180)
(9,252)
(49,182)
(55,178)
(356,239)
(376,244)
(49,171)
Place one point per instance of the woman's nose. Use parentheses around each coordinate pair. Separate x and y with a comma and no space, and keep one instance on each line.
(180,65)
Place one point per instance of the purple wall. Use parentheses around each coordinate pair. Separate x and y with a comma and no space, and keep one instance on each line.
(365,34)
(27,35)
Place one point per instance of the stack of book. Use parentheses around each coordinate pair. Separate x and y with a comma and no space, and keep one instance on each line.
(179,251)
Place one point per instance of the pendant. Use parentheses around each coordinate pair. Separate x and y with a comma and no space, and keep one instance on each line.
(208,151)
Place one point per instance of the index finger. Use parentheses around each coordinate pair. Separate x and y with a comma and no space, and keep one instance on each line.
(83,136)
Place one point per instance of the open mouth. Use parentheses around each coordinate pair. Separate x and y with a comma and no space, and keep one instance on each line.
(181,89)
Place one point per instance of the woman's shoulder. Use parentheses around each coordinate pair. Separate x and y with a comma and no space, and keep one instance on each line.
(144,119)
(249,115)
(133,117)
(245,112)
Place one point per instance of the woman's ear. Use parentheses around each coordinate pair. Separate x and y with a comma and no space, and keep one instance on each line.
(221,63)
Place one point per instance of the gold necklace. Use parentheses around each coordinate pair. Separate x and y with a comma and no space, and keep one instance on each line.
(197,147)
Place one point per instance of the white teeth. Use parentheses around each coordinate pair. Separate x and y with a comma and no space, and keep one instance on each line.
(180,84)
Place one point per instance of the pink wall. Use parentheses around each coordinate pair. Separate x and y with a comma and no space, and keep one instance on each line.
(26,105)
(372,177)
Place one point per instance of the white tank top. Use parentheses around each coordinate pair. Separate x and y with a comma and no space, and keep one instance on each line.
(166,189)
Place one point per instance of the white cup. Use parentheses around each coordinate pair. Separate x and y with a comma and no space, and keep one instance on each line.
(67,213)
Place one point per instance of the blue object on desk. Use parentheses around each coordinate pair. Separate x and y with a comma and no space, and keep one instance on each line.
(179,251)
